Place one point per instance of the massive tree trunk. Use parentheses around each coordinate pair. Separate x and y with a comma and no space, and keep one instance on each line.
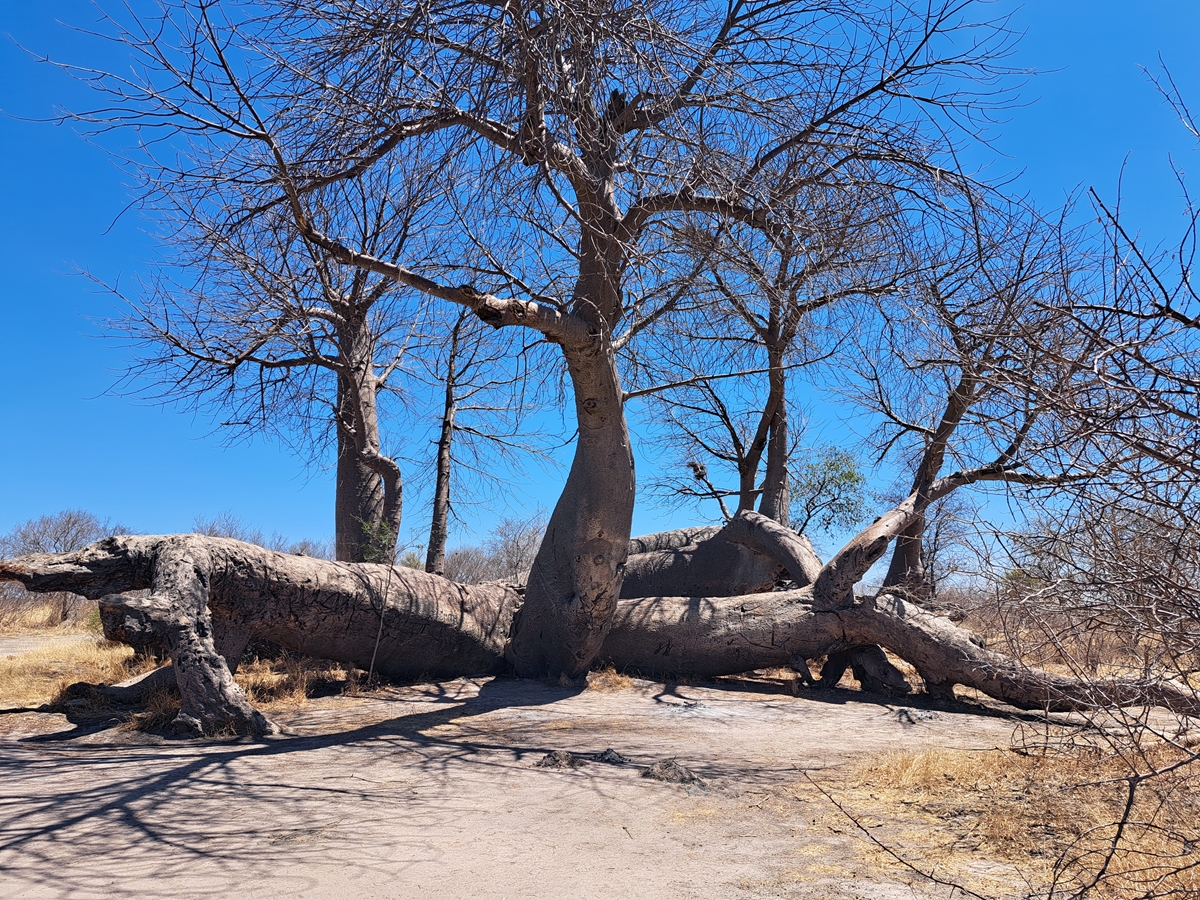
(358,498)
(210,595)
(217,592)
(576,576)
(749,555)
(369,497)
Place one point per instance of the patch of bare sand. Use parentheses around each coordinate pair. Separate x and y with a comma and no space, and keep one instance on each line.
(432,791)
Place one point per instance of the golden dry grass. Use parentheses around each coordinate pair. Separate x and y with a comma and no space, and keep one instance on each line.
(40,676)
(159,712)
(24,613)
(288,681)
(608,681)
(271,684)
(1053,817)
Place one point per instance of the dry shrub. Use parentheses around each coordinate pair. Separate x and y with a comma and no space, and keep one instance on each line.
(160,710)
(608,680)
(1068,822)
(42,675)
(1054,640)
(289,680)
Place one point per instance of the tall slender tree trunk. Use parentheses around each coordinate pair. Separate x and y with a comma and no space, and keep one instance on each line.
(435,557)
(906,571)
(775,500)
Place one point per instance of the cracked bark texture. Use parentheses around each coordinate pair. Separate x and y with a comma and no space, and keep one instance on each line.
(212,594)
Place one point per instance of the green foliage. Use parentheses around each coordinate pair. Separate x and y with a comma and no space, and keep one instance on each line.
(828,491)
(379,543)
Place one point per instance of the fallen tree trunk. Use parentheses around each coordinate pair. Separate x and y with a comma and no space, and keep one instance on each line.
(209,595)
(746,556)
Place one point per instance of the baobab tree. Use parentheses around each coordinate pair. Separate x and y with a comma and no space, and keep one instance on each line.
(275,335)
(1009,415)
(578,130)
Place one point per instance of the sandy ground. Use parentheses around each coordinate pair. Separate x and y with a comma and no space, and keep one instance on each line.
(431,791)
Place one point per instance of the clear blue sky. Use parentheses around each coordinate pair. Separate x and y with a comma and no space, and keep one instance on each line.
(68,443)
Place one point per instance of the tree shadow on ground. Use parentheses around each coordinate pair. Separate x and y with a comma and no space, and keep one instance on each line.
(247,805)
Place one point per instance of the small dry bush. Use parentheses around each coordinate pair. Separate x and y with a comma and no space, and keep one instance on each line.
(159,712)
(1074,824)
(24,613)
(1057,641)
(608,680)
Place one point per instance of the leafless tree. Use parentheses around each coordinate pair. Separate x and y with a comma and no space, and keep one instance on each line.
(62,532)
(726,364)
(579,129)
(277,336)
(483,404)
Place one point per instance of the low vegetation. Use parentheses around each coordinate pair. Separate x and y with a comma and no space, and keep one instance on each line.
(42,675)
(1073,821)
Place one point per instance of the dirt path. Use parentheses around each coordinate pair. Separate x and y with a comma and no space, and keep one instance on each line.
(12,645)
(431,791)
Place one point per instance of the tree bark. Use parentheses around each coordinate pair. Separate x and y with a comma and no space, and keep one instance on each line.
(749,555)
(202,586)
(439,527)
(369,498)
(576,576)
(775,499)
(358,494)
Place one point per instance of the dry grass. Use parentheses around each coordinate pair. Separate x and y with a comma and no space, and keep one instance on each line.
(608,681)
(1065,642)
(25,613)
(42,675)
(289,680)
(1053,817)
(157,715)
